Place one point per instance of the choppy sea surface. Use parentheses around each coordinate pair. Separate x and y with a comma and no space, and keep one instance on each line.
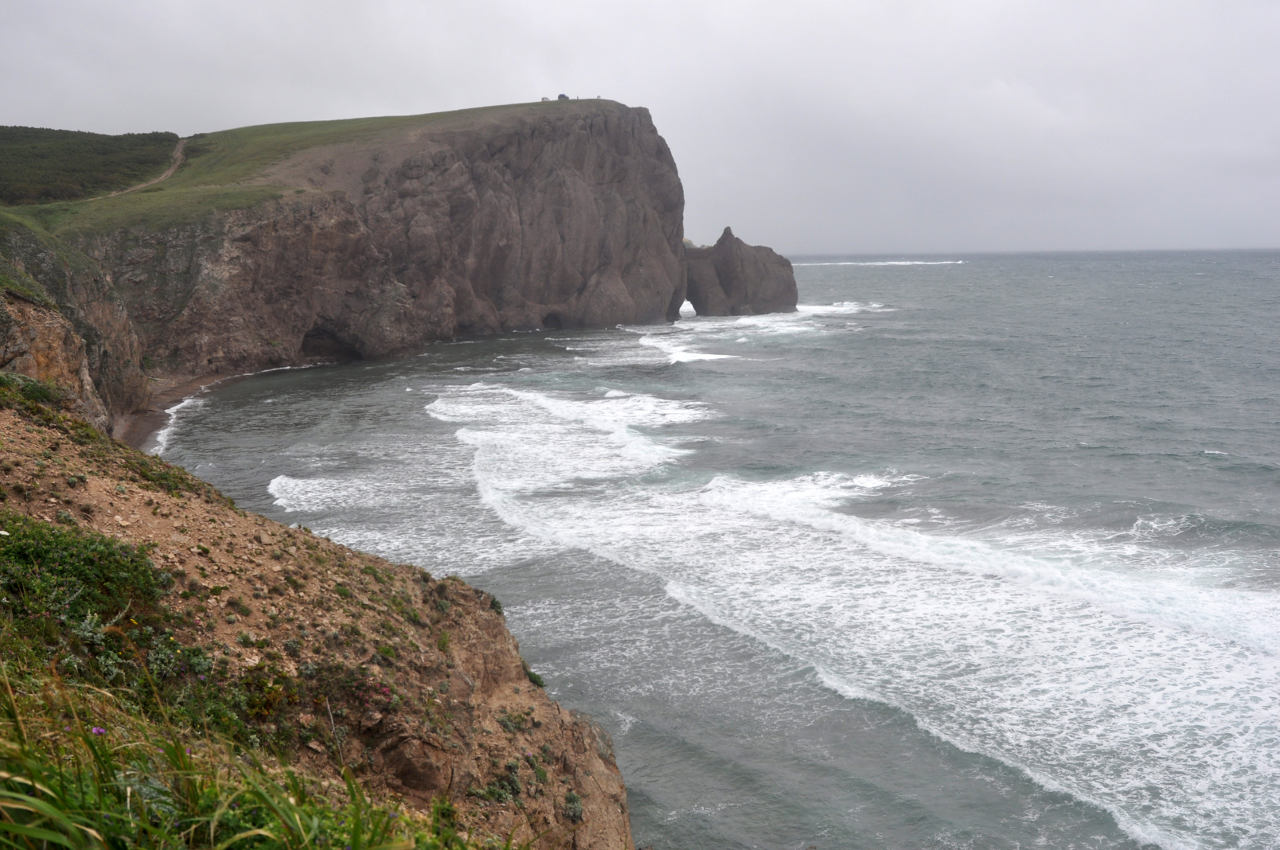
(968,552)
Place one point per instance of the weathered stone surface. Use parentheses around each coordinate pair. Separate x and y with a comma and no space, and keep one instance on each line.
(105,341)
(39,342)
(732,278)
(551,215)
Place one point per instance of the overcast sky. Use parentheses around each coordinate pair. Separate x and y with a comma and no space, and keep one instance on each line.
(872,126)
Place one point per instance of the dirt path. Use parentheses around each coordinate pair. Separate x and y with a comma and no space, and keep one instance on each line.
(178,158)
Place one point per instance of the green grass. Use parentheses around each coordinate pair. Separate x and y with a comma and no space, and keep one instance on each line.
(39,166)
(79,769)
(221,170)
(17,282)
(113,734)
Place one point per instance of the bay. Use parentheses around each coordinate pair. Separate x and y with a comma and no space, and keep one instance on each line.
(971,551)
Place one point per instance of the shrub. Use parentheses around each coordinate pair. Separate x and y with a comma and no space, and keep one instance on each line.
(573,807)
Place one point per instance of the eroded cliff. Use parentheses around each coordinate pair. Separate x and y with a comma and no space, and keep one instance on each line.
(538,216)
(267,635)
(296,243)
(288,244)
(732,278)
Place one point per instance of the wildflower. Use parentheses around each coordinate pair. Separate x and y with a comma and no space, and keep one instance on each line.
(98,730)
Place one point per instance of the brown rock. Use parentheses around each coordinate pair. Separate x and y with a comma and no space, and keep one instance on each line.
(535,216)
(733,278)
(38,342)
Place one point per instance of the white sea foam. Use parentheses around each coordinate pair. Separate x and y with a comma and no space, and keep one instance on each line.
(843,308)
(1159,702)
(886,263)
(606,352)
(160,441)
(678,352)
(532,441)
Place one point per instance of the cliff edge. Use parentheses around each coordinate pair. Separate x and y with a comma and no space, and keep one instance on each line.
(295,243)
(553,215)
(284,643)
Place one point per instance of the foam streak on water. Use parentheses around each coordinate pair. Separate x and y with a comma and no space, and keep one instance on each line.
(978,553)
(1160,703)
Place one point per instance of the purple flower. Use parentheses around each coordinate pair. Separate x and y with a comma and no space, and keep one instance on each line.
(98,730)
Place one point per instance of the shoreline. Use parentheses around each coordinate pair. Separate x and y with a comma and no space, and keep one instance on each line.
(137,428)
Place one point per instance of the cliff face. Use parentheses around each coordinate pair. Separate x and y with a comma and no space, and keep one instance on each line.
(38,342)
(553,215)
(63,324)
(543,216)
(732,278)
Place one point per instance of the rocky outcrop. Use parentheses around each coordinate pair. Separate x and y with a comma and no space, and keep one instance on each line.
(552,215)
(54,290)
(555,215)
(732,278)
(38,342)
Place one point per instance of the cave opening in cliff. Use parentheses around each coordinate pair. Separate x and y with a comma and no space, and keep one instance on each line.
(553,321)
(323,344)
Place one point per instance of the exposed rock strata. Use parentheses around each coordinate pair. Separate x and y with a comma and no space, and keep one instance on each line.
(38,342)
(732,278)
(541,216)
(556,215)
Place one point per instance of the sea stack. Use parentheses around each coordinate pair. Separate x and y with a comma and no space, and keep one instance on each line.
(732,278)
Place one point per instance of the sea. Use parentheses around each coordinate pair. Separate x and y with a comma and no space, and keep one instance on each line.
(967,552)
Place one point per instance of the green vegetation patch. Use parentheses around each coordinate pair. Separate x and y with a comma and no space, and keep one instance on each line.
(78,770)
(223,171)
(79,600)
(40,166)
(17,282)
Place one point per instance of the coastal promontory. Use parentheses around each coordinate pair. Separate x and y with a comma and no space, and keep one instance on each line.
(290,244)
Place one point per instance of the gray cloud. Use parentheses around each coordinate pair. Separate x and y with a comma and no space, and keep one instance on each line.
(876,126)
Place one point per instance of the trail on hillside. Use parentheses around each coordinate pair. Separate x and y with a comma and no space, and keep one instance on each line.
(178,157)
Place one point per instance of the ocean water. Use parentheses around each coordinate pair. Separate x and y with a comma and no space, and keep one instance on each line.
(969,552)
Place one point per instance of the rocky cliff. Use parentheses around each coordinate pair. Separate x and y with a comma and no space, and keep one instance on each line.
(732,278)
(295,243)
(540,216)
(288,244)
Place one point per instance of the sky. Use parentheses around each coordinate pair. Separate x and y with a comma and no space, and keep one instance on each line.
(862,126)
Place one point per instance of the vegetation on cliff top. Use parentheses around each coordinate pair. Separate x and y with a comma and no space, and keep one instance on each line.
(40,166)
(222,171)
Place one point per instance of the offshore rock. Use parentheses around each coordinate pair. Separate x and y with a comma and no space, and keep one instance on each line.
(732,278)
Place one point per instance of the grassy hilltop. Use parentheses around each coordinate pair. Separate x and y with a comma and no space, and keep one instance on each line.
(220,171)
(39,166)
